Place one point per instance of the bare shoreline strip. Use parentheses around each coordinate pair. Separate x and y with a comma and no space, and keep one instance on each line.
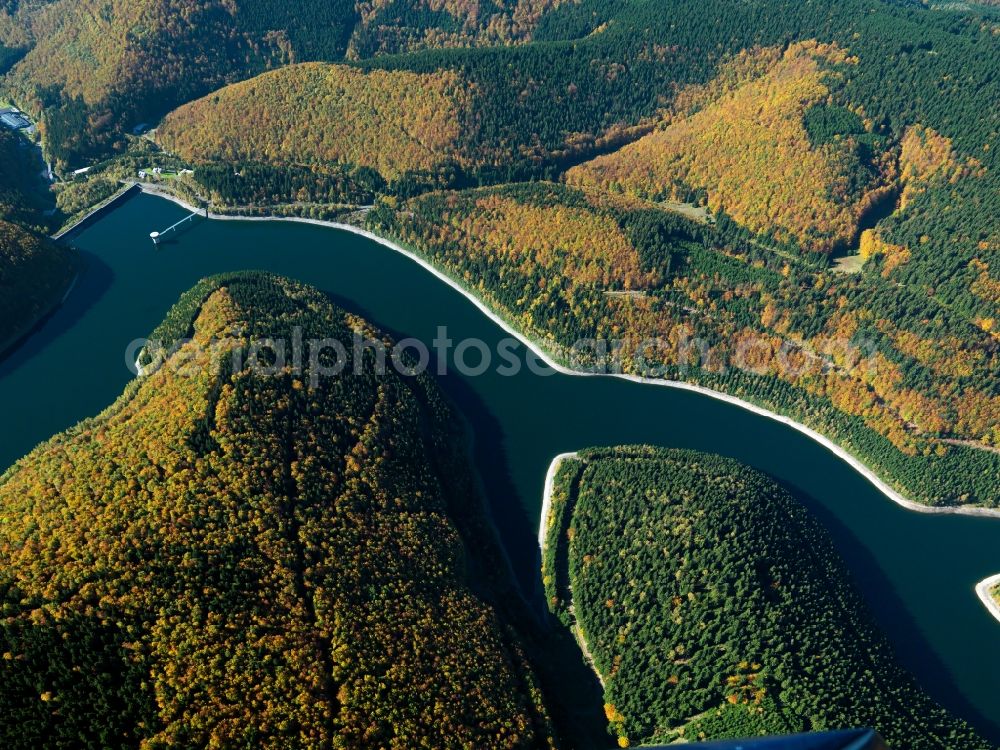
(984,592)
(841,453)
(550,480)
(543,535)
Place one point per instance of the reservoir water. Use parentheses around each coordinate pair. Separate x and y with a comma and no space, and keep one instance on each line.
(917,571)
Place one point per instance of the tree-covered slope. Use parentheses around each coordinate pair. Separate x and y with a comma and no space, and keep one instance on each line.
(394,26)
(22,195)
(600,74)
(750,150)
(34,271)
(318,114)
(239,554)
(97,69)
(714,606)
(34,275)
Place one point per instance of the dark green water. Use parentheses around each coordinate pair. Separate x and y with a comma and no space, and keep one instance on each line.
(917,571)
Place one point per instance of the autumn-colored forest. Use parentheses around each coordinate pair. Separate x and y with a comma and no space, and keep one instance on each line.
(93,70)
(226,557)
(750,152)
(315,114)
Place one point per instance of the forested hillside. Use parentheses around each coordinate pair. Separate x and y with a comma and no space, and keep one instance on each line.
(22,195)
(34,275)
(714,606)
(253,556)
(98,69)
(34,271)
(910,110)
(900,381)
(767,151)
(317,114)
(392,26)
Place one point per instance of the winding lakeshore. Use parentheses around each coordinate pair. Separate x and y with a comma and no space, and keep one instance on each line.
(542,354)
(539,351)
(543,540)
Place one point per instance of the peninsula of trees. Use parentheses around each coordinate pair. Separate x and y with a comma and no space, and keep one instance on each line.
(225,557)
(713,605)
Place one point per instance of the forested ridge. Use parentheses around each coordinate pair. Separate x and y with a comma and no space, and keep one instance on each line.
(767,149)
(393,122)
(714,606)
(230,557)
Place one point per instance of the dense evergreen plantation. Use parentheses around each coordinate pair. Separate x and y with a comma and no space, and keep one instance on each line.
(854,357)
(34,272)
(240,556)
(714,606)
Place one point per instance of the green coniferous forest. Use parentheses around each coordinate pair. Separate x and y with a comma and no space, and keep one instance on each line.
(714,605)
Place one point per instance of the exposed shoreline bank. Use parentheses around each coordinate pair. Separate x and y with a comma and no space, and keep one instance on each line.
(543,535)
(984,592)
(550,478)
(841,453)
